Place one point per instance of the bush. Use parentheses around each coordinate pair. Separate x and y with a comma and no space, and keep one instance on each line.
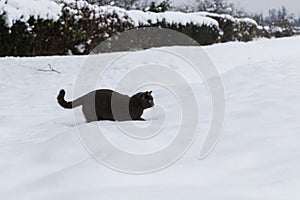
(80,29)
(72,34)
(240,29)
(162,7)
(82,26)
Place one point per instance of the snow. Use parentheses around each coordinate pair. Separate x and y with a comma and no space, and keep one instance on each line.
(277,29)
(247,21)
(143,18)
(22,10)
(258,156)
(224,16)
(228,17)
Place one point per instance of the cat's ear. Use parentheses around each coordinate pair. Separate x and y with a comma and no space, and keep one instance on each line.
(150,92)
(146,94)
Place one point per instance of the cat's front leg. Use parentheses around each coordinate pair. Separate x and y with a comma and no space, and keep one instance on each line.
(141,119)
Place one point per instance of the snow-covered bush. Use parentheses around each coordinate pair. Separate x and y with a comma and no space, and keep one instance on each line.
(241,29)
(59,27)
(79,26)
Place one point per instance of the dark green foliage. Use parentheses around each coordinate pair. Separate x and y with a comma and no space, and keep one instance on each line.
(246,31)
(227,26)
(204,35)
(4,37)
(236,30)
(162,7)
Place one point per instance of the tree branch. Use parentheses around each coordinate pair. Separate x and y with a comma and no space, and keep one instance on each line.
(49,70)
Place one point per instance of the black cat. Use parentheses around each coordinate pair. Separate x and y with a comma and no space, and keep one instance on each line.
(106,104)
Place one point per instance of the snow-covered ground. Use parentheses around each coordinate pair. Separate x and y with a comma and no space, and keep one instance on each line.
(258,156)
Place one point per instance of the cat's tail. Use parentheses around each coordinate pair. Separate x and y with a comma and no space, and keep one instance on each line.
(67,104)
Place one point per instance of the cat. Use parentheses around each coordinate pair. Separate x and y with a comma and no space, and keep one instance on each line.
(105,104)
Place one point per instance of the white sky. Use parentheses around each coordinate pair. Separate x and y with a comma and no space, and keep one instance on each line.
(255,6)
(263,6)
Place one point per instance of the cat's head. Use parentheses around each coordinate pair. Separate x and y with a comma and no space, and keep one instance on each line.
(146,100)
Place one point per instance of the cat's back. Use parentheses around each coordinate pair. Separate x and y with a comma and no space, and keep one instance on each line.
(107,93)
(103,93)
(106,97)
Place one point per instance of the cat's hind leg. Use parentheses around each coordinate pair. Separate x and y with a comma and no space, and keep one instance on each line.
(89,113)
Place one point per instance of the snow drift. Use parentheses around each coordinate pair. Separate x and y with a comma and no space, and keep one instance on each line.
(258,156)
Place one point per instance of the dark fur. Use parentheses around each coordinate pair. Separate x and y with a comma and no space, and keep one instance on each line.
(109,105)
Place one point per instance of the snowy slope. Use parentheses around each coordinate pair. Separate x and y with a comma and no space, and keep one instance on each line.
(258,156)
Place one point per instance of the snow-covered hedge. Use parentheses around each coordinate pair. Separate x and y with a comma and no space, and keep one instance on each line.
(51,27)
(69,26)
(241,29)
